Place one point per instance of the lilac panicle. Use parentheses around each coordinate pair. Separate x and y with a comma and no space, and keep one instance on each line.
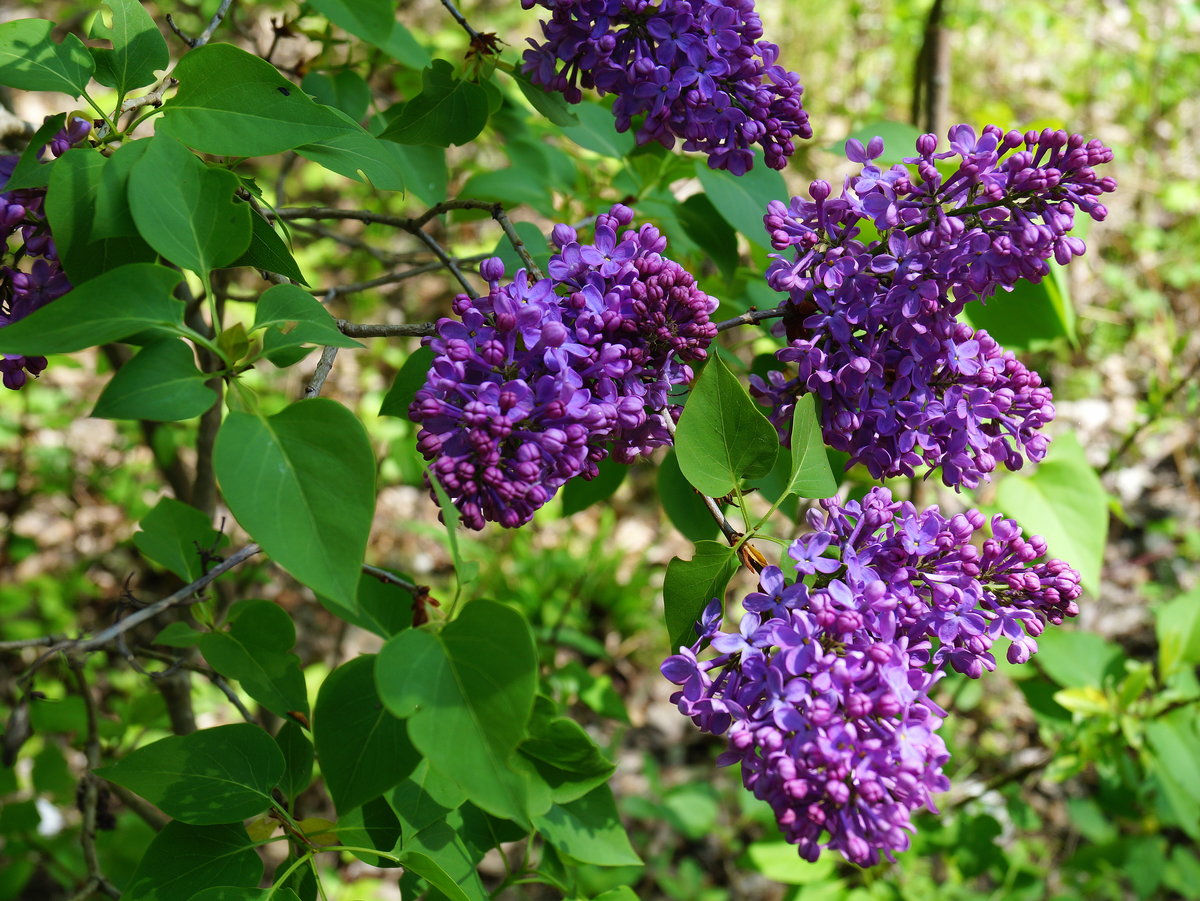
(824,691)
(690,70)
(30,273)
(873,326)
(536,382)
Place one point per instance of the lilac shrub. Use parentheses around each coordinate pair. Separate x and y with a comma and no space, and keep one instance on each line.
(536,382)
(30,273)
(874,326)
(696,70)
(824,690)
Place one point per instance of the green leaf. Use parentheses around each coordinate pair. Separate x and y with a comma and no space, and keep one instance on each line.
(268,251)
(511,186)
(161,384)
(425,171)
(363,749)
(360,156)
(366,19)
(219,775)
(302,483)
(298,317)
(88,221)
(779,862)
(722,437)
(899,141)
(1178,627)
(683,506)
(1021,318)
(811,475)
(464,570)
(232,103)
(579,494)
(432,827)
(173,534)
(1076,659)
(468,693)
(589,830)
(31,171)
(596,132)
(690,584)
(344,90)
(373,825)
(380,607)
(183,860)
(186,210)
(409,379)
(704,225)
(178,634)
(112,217)
(254,652)
(549,103)
(742,199)
(233,893)
(1064,502)
(297,753)
(31,61)
(138,50)
(374,22)
(110,307)
(432,872)
(1173,739)
(70,201)
(564,754)
(447,111)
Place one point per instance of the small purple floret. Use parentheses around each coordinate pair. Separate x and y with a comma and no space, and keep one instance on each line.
(824,690)
(535,383)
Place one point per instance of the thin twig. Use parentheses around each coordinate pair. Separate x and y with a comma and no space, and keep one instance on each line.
(393,277)
(154,98)
(461,20)
(413,224)
(324,367)
(207,33)
(382,330)
(750,318)
(90,795)
(731,534)
(42,641)
(182,596)
(447,261)
(384,576)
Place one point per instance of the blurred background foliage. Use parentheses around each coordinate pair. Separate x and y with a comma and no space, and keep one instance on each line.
(1075,778)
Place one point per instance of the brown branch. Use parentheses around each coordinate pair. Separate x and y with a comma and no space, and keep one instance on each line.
(382,330)
(185,595)
(461,20)
(207,33)
(324,367)
(932,74)
(414,224)
(89,796)
(151,815)
(714,509)
(751,317)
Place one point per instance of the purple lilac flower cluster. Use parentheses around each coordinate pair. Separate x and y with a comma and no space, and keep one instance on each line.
(824,690)
(536,382)
(874,326)
(30,273)
(696,69)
